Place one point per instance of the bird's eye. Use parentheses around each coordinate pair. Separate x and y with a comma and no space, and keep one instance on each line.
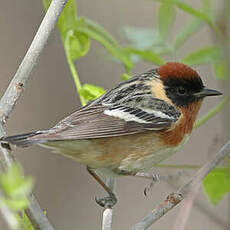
(181,90)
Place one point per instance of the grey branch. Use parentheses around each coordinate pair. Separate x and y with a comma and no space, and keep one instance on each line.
(108,212)
(15,90)
(175,182)
(173,199)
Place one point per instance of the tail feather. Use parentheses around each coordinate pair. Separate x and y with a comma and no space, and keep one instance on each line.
(22,140)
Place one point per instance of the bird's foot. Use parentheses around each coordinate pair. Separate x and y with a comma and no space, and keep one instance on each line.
(154,178)
(108,201)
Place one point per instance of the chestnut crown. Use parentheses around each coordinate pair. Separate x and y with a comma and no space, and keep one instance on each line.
(183,85)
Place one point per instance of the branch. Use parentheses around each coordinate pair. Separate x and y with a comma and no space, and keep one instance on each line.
(14,91)
(186,206)
(108,212)
(175,182)
(173,199)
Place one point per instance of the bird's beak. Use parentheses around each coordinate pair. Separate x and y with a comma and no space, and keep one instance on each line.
(207,92)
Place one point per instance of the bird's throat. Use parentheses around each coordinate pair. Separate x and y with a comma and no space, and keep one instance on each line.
(183,126)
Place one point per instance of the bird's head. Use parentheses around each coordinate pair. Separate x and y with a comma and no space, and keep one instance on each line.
(183,85)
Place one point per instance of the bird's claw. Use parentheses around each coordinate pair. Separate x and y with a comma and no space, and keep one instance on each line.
(155,178)
(108,201)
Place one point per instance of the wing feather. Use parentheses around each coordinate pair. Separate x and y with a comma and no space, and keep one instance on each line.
(126,109)
(129,108)
(92,122)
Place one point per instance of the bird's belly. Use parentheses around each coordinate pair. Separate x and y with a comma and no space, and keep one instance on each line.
(124,153)
(136,164)
(152,155)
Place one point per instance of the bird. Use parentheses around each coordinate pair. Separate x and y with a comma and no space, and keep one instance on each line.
(129,129)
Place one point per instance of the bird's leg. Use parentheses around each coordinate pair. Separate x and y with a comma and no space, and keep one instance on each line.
(154,178)
(106,202)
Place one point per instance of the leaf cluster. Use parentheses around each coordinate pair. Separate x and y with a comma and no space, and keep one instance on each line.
(16,188)
(77,34)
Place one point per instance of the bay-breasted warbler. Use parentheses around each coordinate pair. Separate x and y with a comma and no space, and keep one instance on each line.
(132,127)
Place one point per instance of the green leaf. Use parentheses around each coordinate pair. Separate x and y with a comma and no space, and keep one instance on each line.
(97,33)
(221,70)
(190,10)
(195,25)
(141,38)
(77,44)
(91,92)
(98,29)
(75,34)
(147,55)
(166,17)
(67,19)
(207,55)
(16,204)
(147,39)
(217,184)
(187,32)
(125,76)
(14,184)
(16,188)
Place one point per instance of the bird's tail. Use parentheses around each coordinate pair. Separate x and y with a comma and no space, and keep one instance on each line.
(22,140)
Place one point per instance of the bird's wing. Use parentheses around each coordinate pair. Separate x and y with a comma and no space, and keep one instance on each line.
(100,119)
(129,108)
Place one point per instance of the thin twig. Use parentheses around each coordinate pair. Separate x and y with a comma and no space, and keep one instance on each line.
(175,181)
(108,212)
(186,206)
(15,90)
(36,216)
(173,199)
